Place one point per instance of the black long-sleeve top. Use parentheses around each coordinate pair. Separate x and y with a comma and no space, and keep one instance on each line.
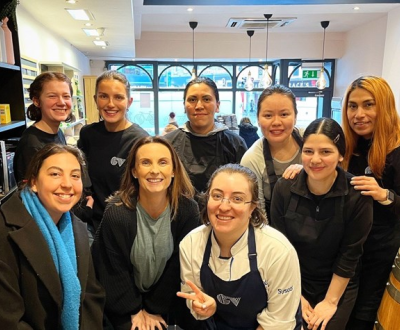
(111,257)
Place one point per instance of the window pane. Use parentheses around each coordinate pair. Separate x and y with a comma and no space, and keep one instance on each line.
(170,102)
(141,110)
(278,74)
(222,76)
(307,110)
(174,76)
(246,105)
(256,75)
(304,76)
(137,77)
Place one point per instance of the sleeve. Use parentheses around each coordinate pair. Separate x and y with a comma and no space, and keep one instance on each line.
(162,295)
(252,161)
(359,215)
(81,142)
(93,302)
(395,188)
(241,148)
(190,270)
(11,302)
(111,257)
(284,292)
(278,208)
(26,153)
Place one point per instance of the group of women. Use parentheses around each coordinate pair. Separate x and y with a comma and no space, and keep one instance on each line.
(322,262)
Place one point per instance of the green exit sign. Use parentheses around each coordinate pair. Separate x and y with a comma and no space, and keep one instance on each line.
(310,74)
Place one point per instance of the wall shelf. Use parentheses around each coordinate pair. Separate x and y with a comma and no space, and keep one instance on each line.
(11,125)
(9,66)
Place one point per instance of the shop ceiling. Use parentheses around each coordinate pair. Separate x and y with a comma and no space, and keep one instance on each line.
(125,21)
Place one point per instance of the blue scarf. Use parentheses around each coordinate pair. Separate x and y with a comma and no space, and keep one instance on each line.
(61,244)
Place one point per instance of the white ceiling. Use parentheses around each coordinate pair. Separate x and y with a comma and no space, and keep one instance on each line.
(125,20)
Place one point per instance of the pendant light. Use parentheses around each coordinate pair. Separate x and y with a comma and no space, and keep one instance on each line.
(193,25)
(249,85)
(321,82)
(266,77)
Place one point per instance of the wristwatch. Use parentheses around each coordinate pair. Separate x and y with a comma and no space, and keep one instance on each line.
(389,198)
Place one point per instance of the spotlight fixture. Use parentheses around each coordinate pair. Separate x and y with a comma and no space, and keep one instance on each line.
(266,77)
(249,85)
(321,82)
(193,25)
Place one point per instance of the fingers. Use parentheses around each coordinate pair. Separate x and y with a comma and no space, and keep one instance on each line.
(186,295)
(193,286)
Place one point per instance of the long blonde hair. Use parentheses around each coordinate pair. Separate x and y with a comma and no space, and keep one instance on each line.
(386,133)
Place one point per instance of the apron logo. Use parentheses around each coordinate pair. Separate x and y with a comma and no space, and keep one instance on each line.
(116,160)
(224,300)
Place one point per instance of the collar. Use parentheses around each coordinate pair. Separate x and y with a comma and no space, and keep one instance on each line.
(340,186)
(240,244)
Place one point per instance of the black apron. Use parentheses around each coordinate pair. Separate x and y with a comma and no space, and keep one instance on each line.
(269,164)
(200,157)
(317,243)
(239,301)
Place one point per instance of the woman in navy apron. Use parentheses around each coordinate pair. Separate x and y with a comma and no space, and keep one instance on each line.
(327,221)
(372,127)
(237,272)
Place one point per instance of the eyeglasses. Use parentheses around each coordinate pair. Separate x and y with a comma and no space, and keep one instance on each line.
(236,200)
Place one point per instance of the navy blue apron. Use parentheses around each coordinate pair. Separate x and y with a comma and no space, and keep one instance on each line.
(239,301)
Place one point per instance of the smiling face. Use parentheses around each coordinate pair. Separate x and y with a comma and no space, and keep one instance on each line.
(200,107)
(113,103)
(361,112)
(227,218)
(153,169)
(54,102)
(320,156)
(277,118)
(58,184)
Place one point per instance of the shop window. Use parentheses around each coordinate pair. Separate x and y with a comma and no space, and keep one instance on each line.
(221,75)
(174,76)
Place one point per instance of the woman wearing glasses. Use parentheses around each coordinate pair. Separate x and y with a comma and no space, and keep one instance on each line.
(238,273)
(372,128)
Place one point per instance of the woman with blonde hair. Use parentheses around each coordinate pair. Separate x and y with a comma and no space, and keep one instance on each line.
(136,248)
(372,129)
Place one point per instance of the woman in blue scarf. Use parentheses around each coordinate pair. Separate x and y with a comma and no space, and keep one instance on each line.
(47,279)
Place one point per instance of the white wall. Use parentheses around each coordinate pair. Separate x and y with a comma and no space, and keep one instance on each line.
(363,54)
(391,59)
(228,46)
(42,45)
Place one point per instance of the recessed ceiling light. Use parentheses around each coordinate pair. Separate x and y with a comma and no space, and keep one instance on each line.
(94,32)
(80,14)
(100,43)
(71,1)
(88,24)
(190,9)
(356,8)
(104,47)
(98,38)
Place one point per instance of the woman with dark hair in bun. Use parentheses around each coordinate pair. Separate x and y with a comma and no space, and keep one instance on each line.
(237,272)
(327,221)
(51,95)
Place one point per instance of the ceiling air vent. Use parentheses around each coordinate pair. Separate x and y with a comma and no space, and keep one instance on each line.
(258,23)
